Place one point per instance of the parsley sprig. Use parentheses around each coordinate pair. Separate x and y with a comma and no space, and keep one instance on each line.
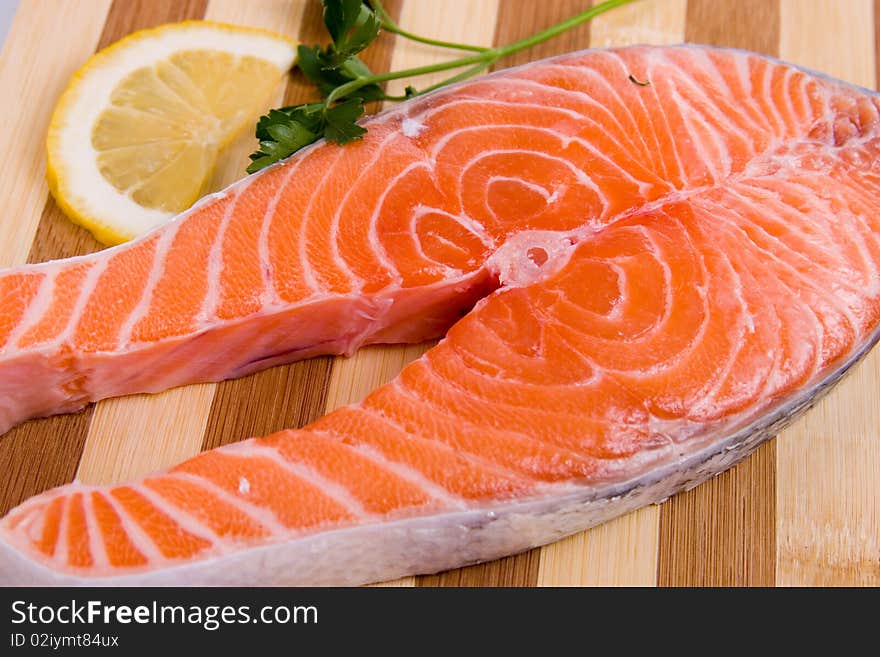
(346,83)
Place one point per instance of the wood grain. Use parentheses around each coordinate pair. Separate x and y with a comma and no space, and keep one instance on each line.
(34,78)
(802,511)
(622,552)
(748,24)
(723,533)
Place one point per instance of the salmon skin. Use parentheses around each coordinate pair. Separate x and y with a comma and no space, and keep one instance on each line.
(663,275)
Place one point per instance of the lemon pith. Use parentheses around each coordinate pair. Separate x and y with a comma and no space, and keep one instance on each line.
(135,136)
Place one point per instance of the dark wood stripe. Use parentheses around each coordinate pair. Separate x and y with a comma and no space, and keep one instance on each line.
(39,455)
(128,16)
(723,533)
(749,24)
(278,398)
(518,19)
(518,570)
(312,32)
(59,440)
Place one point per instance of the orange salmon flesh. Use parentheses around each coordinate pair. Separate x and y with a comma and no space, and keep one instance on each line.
(635,286)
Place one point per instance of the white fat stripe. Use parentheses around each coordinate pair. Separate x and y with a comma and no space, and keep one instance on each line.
(471,226)
(789,112)
(471,426)
(734,105)
(133,531)
(333,489)
(564,140)
(710,108)
(333,239)
(767,90)
(96,543)
(471,457)
(809,284)
(579,175)
(36,308)
(260,515)
(183,519)
(739,331)
(378,248)
(89,284)
(699,334)
(649,73)
(730,227)
(769,198)
(702,153)
(269,297)
(871,284)
(308,276)
(592,103)
(661,106)
(543,193)
(163,246)
(405,472)
(502,406)
(622,108)
(208,312)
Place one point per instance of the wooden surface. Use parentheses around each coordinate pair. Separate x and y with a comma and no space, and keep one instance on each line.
(804,510)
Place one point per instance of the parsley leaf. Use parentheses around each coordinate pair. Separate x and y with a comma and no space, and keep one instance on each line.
(341,127)
(352,26)
(284,131)
(317,67)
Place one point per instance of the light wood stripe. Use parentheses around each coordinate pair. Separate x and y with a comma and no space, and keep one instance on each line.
(722,533)
(623,551)
(32,78)
(828,490)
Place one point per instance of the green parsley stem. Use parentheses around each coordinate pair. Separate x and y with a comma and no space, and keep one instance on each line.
(464,75)
(389,25)
(479,61)
(559,28)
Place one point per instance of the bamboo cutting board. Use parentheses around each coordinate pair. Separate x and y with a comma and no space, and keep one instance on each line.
(803,510)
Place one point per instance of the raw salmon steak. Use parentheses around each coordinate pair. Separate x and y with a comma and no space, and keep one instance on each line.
(653,279)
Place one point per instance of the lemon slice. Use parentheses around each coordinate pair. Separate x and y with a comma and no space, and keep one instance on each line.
(135,136)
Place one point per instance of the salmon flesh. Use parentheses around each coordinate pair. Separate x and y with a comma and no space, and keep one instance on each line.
(637,284)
